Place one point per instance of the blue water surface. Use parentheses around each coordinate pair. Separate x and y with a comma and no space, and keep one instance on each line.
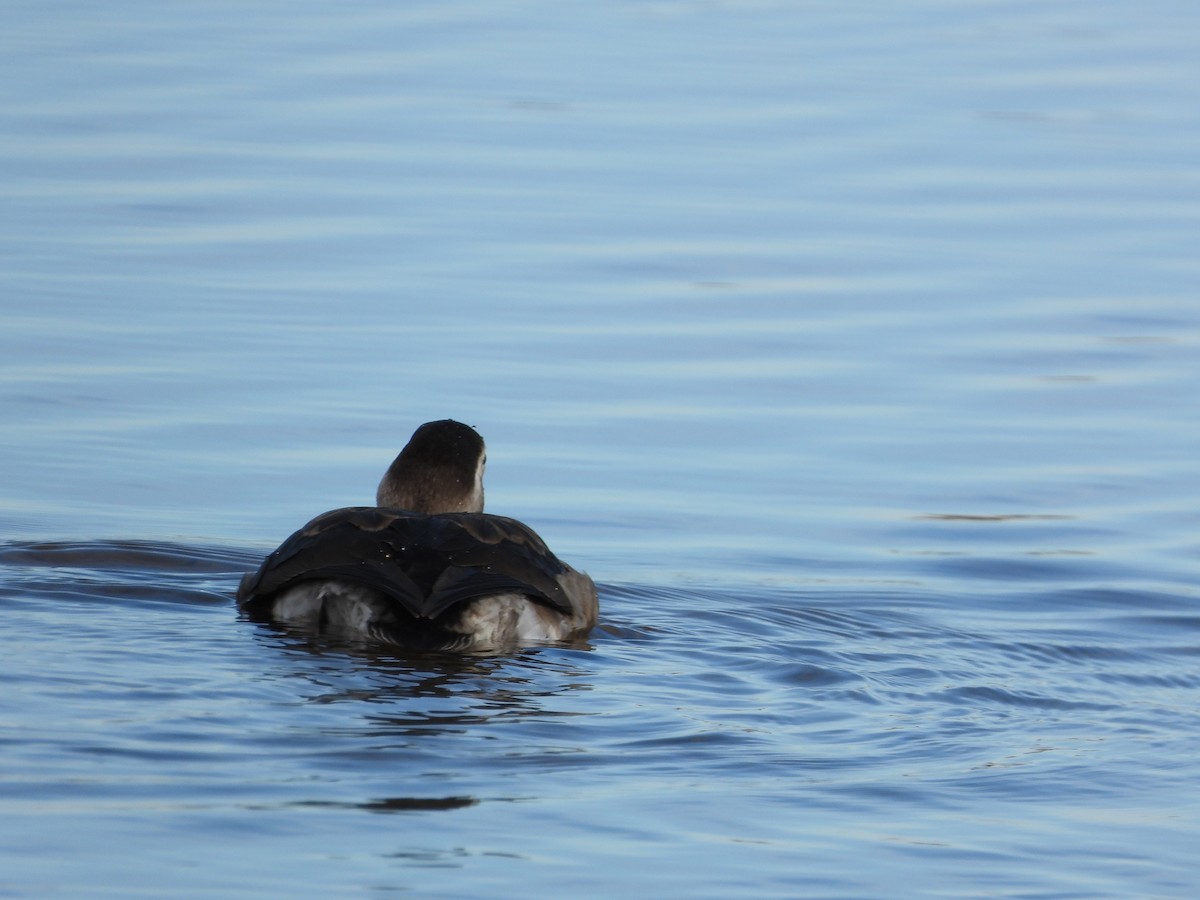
(853,350)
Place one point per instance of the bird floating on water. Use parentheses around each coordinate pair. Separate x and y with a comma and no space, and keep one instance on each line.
(426,567)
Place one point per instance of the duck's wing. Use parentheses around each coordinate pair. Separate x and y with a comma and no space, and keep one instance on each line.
(427,564)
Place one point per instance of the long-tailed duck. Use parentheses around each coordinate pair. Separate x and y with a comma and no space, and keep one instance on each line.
(426,567)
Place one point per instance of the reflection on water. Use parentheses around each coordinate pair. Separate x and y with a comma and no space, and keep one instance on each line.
(481,686)
(394,804)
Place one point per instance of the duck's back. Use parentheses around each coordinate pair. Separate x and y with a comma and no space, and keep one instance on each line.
(402,570)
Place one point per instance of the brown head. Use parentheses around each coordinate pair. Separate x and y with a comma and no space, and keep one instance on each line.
(439,471)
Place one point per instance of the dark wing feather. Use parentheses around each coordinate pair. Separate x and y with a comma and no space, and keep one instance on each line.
(428,564)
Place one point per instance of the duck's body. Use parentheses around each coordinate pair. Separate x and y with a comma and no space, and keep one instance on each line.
(427,568)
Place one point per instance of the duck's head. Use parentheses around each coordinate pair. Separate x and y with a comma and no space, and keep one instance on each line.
(439,471)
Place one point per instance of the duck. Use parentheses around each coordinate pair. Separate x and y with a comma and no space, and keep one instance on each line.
(425,568)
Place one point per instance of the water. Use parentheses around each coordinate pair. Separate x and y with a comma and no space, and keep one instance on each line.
(852,351)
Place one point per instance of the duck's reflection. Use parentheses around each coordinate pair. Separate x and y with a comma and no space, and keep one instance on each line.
(393,804)
(392,731)
(402,693)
